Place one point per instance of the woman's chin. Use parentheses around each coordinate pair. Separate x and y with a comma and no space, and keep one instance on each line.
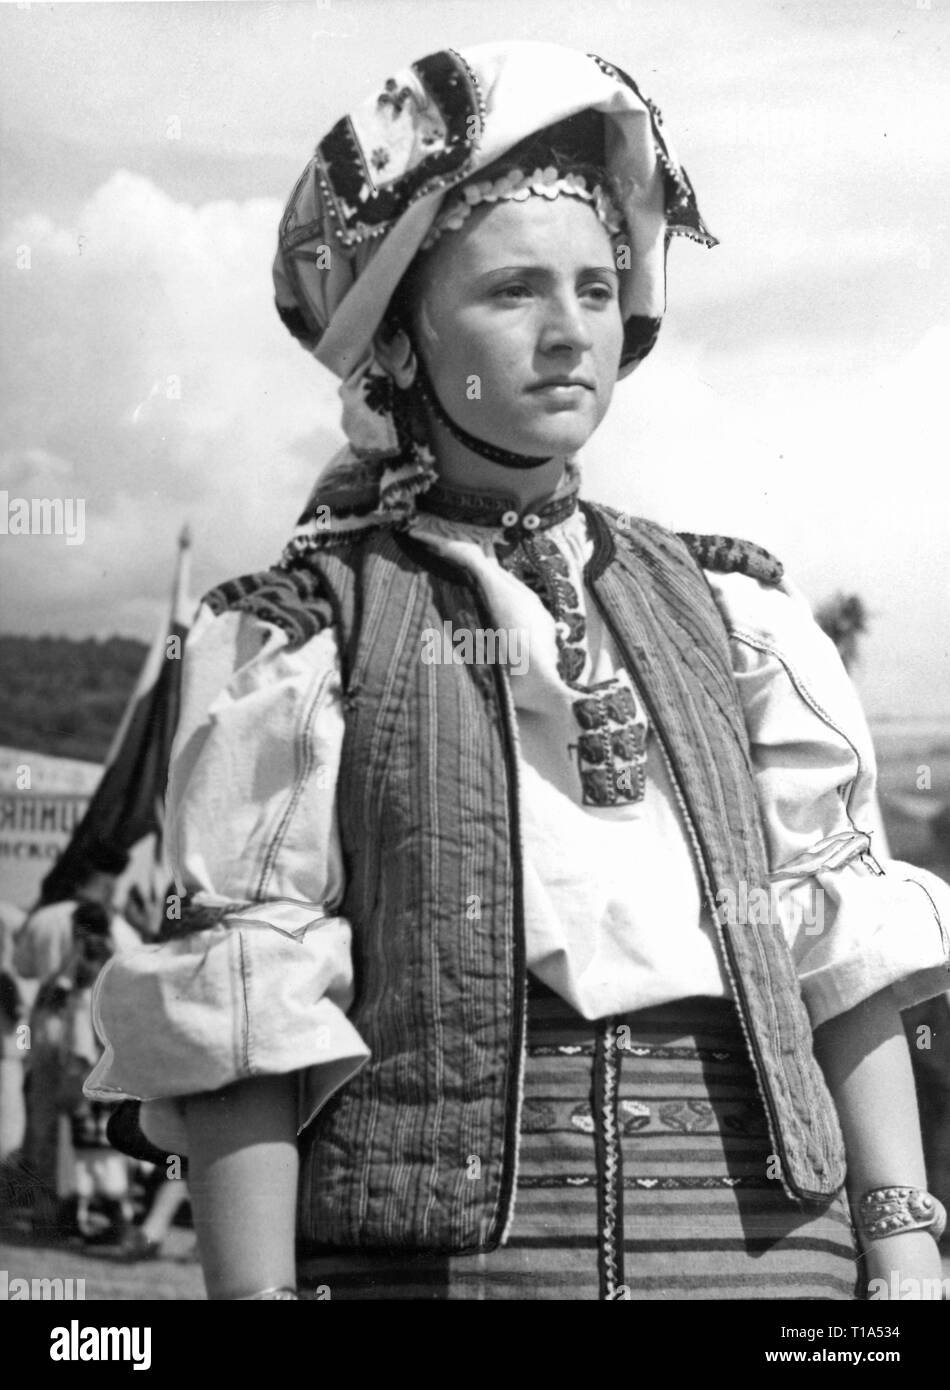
(566,439)
(561,434)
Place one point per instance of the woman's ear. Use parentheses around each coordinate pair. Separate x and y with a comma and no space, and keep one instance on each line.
(396,354)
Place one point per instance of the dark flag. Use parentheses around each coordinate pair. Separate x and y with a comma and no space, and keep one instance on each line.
(127,806)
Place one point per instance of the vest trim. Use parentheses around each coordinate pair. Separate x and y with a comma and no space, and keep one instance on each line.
(604,550)
(603,554)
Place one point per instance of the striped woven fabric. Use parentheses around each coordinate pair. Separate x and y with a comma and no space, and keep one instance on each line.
(643,1174)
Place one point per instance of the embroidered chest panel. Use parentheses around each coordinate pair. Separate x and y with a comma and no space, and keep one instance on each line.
(611,748)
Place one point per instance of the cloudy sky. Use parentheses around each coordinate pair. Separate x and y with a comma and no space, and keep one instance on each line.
(798,395)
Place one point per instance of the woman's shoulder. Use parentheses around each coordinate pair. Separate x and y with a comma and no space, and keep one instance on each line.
(775,638)
(759,603)
(252,632)
(292,599)
(715,553)
(756,597)
(720,554)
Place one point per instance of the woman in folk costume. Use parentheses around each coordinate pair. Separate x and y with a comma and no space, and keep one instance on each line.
(524,843)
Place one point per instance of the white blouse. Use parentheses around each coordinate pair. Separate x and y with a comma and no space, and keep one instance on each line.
(615,917)
(614,913)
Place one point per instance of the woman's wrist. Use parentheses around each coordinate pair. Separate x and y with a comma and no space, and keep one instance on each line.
(899,1256)
(905,1266)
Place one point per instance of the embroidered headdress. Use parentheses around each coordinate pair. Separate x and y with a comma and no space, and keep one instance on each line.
(403,169)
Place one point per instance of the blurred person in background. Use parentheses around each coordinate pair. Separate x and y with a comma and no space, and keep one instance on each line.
(12,1037)
(99,1174)
(43,947)
(45,940)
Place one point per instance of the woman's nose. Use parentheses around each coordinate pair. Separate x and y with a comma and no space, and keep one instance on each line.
(564,324)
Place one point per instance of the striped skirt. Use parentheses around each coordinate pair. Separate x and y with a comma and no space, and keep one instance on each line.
(644,1173)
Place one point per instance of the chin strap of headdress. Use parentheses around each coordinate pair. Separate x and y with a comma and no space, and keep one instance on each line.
(425,391)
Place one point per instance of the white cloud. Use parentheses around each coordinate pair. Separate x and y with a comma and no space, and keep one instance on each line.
(849,485)
(153,369)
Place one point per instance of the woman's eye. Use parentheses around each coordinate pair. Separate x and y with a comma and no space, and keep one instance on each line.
(601,292)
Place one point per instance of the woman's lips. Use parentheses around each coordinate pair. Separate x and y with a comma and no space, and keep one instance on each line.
(561,388)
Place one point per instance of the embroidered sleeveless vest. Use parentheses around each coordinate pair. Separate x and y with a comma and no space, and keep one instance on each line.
(420,1148)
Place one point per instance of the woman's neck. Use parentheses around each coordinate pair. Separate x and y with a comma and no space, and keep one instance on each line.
(461,467)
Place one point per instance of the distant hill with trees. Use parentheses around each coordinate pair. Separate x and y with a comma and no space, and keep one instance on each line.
(65,698)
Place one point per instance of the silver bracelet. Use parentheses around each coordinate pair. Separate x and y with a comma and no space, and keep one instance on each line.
(278,1291)
(888,1211)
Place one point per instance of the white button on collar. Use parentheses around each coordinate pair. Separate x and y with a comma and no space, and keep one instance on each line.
(531,522)
(509,518)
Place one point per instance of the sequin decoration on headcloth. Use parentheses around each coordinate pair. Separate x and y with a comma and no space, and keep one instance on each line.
(382,182)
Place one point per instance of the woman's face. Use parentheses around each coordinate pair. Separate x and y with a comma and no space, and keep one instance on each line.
(522,293)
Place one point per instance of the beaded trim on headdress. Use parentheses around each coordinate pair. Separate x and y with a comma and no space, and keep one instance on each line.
(519,186)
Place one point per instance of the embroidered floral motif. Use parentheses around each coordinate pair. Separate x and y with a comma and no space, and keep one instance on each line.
(395,96)
(696,1184)
(651,1184)
(612,749)
(700,1054)
(637,1115)
(582,1119)
(687,1116)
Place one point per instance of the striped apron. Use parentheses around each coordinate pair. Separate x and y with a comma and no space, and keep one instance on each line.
(644,1173)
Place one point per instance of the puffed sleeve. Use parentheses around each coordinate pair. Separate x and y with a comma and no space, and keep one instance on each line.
(856,921)
(260,978)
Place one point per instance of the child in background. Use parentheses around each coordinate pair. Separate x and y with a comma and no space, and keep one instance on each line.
(99,1172)
(12,1015)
